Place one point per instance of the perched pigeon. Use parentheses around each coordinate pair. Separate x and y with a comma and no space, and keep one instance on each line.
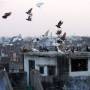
(6,15)
(29,12)
(29,18)
(59,24)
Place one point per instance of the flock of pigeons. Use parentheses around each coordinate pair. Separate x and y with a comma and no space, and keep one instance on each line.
(29,13)
(63,37)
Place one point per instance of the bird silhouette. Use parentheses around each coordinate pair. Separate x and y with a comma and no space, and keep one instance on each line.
(29,12)
(63,36)
(6,15)
(59,24)
(59,32)
(29,18)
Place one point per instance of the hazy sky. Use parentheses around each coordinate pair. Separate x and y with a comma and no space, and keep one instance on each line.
(74,13)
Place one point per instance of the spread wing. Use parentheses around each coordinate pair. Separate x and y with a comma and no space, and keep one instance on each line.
(6,15)
(29,18)
(59,24)
(29,11)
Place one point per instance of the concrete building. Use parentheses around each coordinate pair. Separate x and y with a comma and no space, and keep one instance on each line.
(44,62)
(79,64)
(78,77)
(72,69)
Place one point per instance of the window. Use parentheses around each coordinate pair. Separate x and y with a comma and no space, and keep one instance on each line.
(41,69)
(31,64)
(51,70)
(79,65)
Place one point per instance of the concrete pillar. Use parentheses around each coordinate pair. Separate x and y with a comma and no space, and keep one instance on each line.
(45,71)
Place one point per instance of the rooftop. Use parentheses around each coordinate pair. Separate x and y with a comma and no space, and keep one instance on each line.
(45,54)
(79,54)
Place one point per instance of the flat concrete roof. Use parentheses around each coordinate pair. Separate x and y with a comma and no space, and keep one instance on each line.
(81,54)
(44,54)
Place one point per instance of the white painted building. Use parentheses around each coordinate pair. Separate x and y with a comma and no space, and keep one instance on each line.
(44,62)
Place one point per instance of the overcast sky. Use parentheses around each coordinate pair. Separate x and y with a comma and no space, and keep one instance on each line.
(74,13)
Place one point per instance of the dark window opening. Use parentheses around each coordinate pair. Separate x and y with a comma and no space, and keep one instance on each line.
(79,65)
(51,70)
(41,69)
(31,64)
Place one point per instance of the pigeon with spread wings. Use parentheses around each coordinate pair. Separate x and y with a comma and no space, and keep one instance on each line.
(63,36)
(59,24)
(59,32)
(29,18)
(29,12)
(6,15)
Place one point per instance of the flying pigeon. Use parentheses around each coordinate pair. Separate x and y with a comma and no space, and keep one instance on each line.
(29,12)
(59,24)
(6,15)
(29,18)
(63,36)
(59,32)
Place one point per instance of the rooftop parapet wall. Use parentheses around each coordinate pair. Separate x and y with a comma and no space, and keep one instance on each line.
(77,83)
(44,54)
(80,55)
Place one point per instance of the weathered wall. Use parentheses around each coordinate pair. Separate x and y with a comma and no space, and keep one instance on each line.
(63,71)
(77,83)
(72,80)
(44,61)
(79,73)
(36,80)
(4,81)
(63,67)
